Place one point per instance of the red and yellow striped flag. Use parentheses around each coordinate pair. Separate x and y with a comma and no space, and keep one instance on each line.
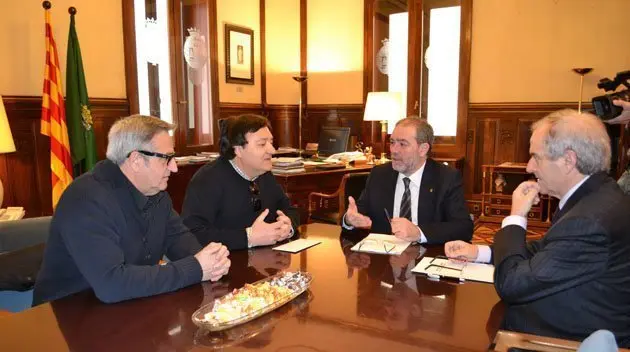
(54,118)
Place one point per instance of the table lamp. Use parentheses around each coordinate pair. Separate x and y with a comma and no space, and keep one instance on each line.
(384,107)
(6,140)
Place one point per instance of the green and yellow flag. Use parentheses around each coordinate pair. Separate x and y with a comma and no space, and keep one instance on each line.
(78,114)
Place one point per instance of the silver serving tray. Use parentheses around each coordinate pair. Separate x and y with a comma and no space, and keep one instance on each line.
(198,317)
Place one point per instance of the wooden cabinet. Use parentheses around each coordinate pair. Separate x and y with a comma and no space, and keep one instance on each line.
(498,183)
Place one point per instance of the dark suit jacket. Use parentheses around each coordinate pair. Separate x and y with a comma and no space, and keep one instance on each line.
(576,279)
(442,212)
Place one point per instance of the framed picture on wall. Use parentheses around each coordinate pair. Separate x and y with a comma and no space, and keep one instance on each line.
(239,54)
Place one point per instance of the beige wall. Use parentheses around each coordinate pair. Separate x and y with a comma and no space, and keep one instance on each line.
(524,50)
(243,13)
(99,26)
(282,53)
(335,51)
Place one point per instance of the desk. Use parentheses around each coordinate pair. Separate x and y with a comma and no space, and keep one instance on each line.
(345,310)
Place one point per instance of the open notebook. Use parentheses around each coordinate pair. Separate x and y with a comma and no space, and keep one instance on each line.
(442,267)
(381,244)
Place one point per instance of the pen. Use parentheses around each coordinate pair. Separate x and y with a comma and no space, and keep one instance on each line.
(445,278)
(389,218)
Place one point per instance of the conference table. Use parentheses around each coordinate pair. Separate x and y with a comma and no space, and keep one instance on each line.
(356,301)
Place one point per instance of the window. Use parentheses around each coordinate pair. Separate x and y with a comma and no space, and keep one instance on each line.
(170,53)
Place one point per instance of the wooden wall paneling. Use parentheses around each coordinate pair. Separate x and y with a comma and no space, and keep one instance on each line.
(235,109)
(350,115)
(26,173)
(283,119)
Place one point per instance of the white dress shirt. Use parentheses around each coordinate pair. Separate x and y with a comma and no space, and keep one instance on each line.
(485,253)
(415,180)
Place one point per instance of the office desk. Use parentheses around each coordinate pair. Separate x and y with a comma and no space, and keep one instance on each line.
(346,309)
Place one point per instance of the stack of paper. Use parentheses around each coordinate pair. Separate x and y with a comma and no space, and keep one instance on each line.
(447,268)
(381,244)
(287,165)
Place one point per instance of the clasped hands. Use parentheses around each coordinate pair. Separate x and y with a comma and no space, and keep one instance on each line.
(401,227)
(214,261)
(264,233)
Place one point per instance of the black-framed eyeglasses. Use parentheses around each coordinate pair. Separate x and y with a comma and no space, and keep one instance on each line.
(255,199)
(168,157)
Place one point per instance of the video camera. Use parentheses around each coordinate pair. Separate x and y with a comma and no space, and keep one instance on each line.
(603,104)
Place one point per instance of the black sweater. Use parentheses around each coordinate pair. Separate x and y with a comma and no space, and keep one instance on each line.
(107,236)
(218,208)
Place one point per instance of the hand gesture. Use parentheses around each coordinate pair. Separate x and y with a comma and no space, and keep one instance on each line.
(264,234)
(625,114)
(287,221)
(214,261)
(405,230)
(461,250)
(354,218)
(523,197)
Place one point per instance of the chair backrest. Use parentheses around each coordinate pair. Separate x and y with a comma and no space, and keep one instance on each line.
(18,234)
(22,244)
(351,185)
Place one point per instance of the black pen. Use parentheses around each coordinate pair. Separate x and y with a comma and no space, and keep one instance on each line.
(389,218)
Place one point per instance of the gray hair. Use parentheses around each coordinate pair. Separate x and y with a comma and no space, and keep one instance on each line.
(424,131)
(583,133)
(131,133)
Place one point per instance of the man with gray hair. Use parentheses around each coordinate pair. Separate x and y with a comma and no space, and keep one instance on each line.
(114,224)
(424,198)
(576,279)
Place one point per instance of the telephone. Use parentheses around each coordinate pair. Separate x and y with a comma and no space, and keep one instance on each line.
(11,213)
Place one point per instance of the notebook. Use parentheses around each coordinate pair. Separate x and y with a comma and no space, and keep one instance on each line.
(442,267)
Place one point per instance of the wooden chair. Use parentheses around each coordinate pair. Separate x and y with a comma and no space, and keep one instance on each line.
(329,208)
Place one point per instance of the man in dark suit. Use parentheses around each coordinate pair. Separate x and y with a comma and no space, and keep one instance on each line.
(424,197)
(576,279)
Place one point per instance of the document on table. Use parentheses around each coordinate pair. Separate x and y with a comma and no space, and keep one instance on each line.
(297,245)
(381,244)
(440,267)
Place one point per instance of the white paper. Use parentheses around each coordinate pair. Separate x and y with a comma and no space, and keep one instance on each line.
(297,245)
(455,269)
(381,244)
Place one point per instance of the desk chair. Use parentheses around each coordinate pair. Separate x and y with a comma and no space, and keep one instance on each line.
(329,208)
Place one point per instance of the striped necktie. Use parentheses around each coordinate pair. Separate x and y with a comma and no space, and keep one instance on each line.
(405,203)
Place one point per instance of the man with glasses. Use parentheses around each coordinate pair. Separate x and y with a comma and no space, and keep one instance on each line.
(114,224)
(236,200)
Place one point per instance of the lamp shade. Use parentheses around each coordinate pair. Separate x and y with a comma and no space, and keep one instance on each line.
(383,106)
(6,139)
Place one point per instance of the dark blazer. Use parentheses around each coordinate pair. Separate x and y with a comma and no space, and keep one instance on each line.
(442,212)
(576,279)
